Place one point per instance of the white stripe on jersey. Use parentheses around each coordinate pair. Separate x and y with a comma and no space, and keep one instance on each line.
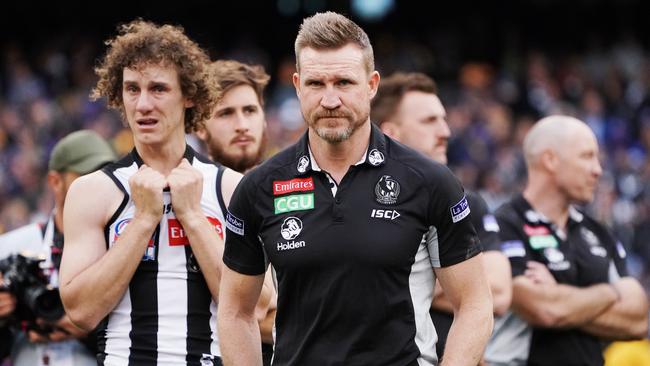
(421,284)
(171,280)
(117,334)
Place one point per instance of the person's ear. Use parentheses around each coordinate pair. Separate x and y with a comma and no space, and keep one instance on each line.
(202,133)
(549,160)
(296,83)
(55,182)
(373,83)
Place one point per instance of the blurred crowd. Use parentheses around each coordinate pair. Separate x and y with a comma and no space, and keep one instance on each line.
(44,95)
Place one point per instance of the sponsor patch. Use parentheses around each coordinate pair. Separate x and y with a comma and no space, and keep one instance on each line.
(460,210)
(293,185)
(598,251)
(294,202)
(176,233)
(536,230)
(543,241)
(119,228)
(303,162)
(217,225)
(387,190)
(589,236)
(385,214)
(150,250)
(207,360)
(553,255)
(532,216)
(375,157)
(291,228)
(234,224)
(556,260)
(490,223)
(513,248)
(620,249)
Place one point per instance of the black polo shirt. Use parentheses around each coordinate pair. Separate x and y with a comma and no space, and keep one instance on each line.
(586,255)
(488,233)
(354,269)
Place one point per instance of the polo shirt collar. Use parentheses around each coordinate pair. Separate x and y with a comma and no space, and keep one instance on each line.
(533,216)
(374,156)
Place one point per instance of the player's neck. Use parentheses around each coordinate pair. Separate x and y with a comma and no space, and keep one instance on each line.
(162,157)
(549,201)
(336,159)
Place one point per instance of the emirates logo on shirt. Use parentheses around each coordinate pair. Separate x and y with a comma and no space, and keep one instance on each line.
(293,185)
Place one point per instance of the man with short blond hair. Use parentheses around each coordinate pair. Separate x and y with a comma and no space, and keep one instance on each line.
(357,228)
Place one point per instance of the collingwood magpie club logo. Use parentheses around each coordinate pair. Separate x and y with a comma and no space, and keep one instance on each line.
(387,190)
(291,228)
(375,157)
(303,162)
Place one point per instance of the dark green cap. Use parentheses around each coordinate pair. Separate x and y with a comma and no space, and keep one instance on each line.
(81,152)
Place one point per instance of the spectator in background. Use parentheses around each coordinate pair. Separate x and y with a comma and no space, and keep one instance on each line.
(235,136)
(407,108)
(571,290)
(77,154)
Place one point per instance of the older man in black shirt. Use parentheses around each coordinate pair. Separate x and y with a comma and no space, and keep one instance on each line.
(570,286)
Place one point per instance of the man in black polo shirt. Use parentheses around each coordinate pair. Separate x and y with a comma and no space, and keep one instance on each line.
(353,224)
(570,289)
(407,108)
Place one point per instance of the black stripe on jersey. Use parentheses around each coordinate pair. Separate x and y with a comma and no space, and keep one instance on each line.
(143,290)
(101,341)
(108,170)
(217,186)
(198,311)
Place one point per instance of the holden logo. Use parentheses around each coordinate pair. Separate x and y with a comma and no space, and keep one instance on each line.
(291,228)
(302,164)
(387,190)
(375,157)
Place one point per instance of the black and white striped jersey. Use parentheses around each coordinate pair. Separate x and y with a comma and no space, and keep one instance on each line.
(167,315)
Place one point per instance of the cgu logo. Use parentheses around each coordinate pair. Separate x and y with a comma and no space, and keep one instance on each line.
(385,214)
(296,202)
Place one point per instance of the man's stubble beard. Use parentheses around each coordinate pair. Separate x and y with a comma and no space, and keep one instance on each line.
(338,137)
(236,163)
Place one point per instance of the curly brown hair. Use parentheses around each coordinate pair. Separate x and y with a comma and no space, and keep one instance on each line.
(141,43)
(231,73)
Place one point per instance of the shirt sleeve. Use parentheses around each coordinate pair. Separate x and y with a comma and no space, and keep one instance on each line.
(511,242)
(243,252)
(451,238)
(484,222)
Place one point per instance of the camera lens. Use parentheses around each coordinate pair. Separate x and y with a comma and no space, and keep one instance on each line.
(44,302)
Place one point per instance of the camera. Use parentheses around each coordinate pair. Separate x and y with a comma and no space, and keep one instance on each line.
(35,297)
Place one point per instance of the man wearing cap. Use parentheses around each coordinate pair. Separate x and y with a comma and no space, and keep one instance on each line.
(77,154)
